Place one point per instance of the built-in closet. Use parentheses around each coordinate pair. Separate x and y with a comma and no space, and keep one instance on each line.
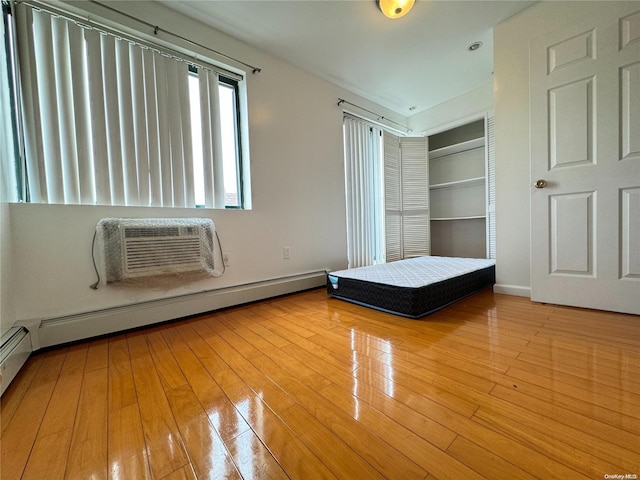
(440,200)
(459,181)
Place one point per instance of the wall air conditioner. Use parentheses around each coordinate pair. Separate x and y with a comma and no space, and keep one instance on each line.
(135,248)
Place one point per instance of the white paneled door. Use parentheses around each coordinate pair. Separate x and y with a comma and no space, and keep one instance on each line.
(585,162)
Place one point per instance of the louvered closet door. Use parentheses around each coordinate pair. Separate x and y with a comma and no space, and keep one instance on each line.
(392,198)
(407,222)
(491,186)
(415,197)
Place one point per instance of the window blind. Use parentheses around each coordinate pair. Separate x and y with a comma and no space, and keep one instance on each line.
(107,119)
(363,177)
(8,153)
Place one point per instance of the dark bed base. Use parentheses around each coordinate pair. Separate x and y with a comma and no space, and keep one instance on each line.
(412,302)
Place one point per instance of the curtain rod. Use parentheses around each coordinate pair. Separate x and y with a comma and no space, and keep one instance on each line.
(379,117)
(157,29)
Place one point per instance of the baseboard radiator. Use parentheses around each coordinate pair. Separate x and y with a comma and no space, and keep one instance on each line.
(56,331)
(14,352)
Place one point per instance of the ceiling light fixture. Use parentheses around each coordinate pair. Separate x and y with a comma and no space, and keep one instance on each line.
(474,46)
(395,8)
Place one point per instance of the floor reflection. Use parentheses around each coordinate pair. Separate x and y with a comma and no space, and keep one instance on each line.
(372,349)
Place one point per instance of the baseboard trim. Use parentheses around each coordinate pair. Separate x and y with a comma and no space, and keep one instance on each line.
(56,331)
(516,290)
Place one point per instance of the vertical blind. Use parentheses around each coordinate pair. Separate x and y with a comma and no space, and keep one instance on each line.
(8,184)
(107,120)
(363,176)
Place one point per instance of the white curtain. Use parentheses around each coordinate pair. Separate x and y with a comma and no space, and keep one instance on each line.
(106,120)
(364,189)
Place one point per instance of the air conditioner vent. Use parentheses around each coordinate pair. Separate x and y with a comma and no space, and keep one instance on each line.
(152,232)
(135,248)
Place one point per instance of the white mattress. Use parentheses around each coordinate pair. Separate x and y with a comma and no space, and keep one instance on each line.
(413,272)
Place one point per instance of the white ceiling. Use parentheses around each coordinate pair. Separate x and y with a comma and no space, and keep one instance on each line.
(419,60)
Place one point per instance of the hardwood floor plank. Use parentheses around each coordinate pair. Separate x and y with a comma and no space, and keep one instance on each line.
(221,412)
(20,434)
(183,473)
(485,462)
(373,448)
(604,376)
(276,340)
(163,442)
(437,373)
(613,399)
(49,371)
(263,386)
(548,445)
(127,456)
(414,447)
(207,452)
(253,459)
(62,409)
(401,381)
(75,360)
(122,389)
(538,396)
(305,386)
(423,426)
(579,434)
(15,392)
(287,449)
(48,457)
(168,370)
(340,458)
(569,354)
(88,450)
(97,355)
(137,344)
(342,362)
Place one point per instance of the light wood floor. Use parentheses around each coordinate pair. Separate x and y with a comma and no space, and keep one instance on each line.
(309,387)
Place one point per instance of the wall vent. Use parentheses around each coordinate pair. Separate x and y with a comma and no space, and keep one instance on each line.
(135,248)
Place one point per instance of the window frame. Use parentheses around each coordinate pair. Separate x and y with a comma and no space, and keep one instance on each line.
(237,125)
(234,84)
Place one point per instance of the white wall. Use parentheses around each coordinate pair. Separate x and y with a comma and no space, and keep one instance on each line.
(511,106)
(453,112)
(7,305)
(298,194)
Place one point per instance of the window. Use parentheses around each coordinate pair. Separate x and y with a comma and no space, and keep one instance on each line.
(230,148)
(108,119)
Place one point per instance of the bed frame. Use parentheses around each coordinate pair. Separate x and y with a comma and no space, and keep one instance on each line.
(413,287)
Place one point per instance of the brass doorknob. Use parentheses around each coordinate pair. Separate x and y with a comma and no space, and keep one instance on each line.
(540,184)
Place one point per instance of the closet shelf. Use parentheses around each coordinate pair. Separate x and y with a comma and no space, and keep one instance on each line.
(459,183)
(457,148)
(473,217)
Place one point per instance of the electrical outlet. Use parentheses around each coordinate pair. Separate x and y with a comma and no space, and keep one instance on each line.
(286,253)
(226,259)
